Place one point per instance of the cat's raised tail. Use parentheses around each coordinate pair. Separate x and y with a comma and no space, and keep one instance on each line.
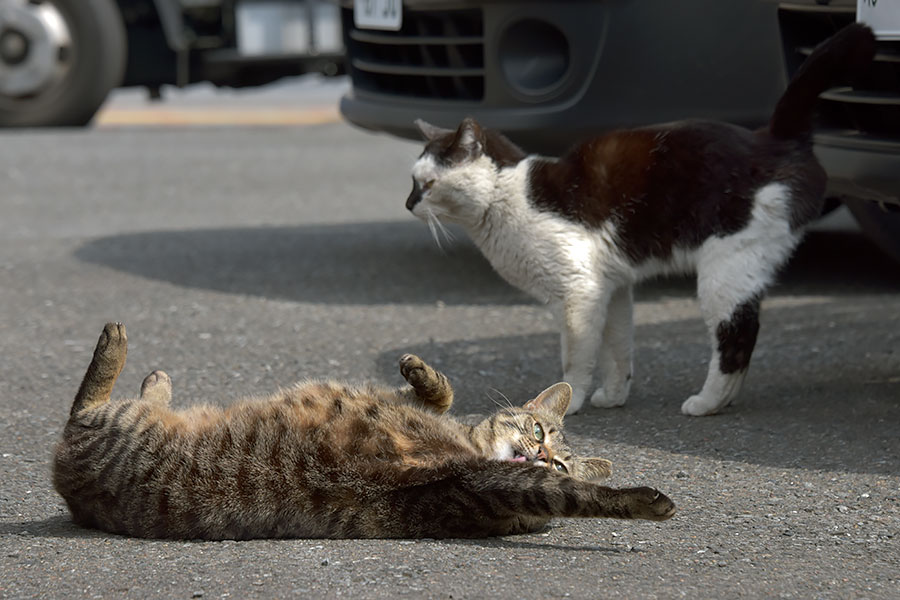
(839,57)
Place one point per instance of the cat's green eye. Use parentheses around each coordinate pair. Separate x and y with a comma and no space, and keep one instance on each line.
(427,185)
(538,432)
(560,467)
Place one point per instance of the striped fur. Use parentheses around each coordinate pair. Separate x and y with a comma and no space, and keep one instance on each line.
(323,459)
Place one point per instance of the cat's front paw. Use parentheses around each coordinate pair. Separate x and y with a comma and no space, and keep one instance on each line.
(601,399)
(577,401)
(431,388)
(417,373)
(413,369)
(651,504)
(700,406)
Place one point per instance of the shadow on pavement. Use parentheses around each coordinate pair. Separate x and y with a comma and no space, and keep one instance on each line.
(512,543)
(833,407)
(366,263)
(398,262)
(54,527)
(63,527)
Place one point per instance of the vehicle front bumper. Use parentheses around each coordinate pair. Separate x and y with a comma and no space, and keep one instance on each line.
(629,63)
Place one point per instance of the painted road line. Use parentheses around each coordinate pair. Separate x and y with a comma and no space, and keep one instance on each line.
(215,116)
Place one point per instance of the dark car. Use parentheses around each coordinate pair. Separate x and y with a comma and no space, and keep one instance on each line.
(550,73)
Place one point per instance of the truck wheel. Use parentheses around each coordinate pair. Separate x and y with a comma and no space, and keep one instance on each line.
(58,60)
(880,225)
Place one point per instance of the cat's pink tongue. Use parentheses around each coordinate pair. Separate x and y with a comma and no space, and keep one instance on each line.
(518,459)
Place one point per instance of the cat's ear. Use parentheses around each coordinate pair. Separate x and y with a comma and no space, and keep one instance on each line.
(469,141)
(591,469)
(554,400)
(429,131)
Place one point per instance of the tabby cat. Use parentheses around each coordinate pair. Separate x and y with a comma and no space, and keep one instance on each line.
(578,232)
(323,459)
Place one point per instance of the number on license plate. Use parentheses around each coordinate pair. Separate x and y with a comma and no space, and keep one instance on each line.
(378,14)
(883,16)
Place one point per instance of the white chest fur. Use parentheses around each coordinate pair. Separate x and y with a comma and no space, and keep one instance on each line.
(540,252)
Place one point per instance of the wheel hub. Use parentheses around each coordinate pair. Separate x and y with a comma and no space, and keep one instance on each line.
(13,47)
(34,43)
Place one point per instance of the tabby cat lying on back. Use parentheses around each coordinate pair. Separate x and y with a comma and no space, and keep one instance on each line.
(578,232)
(324,459)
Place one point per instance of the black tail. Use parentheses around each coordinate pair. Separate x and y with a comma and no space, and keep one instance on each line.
(848,51)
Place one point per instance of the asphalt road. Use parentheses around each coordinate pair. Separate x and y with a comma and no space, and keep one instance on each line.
(245,258)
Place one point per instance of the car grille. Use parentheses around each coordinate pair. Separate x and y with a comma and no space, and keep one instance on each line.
(437,54)
(868,109)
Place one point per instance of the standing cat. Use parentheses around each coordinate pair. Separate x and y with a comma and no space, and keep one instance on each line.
(579,231)
(324,459)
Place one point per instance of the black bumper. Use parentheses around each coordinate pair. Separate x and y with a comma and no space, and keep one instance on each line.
(548,73)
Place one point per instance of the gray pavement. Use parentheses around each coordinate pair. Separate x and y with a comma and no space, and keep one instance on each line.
(243,259)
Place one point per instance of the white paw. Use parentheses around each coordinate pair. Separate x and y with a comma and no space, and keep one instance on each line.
(601,399)
(699,406)
(577,401)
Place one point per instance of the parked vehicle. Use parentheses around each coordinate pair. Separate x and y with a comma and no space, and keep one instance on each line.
(60,58)
(858,128)
(550,73)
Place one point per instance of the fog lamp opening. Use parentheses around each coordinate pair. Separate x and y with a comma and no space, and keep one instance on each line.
(534,56)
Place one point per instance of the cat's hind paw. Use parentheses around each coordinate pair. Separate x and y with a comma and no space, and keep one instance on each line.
(112,346)
(157,387)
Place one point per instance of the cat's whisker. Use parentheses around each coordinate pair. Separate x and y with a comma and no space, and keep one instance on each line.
(433,225)
(496,402)
(443,229)
(509,403)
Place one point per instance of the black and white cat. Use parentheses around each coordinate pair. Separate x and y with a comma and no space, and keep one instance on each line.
(577,232)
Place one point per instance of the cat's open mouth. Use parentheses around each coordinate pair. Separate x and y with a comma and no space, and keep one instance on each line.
(518,457)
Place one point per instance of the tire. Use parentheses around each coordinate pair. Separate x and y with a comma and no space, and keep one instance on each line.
(91,65)
(880,225)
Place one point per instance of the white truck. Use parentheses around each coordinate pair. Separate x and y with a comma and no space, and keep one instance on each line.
(59,59)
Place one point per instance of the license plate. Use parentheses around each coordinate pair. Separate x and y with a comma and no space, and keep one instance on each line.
(272,28)
(883,16)
(378,14)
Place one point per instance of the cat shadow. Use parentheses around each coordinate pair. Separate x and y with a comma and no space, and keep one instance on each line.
(63,527)
(398,262)
(511,543)
(357,263)
(60,526)
(829,407)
